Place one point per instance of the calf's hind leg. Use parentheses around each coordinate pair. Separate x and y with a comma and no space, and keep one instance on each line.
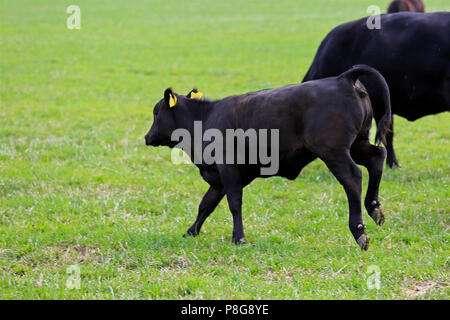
(349,175)
(371,157)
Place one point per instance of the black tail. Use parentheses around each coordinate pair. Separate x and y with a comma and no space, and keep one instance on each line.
(363,70)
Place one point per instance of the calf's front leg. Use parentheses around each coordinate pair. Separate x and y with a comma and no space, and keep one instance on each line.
(209,202)
(231,180)
(234,197)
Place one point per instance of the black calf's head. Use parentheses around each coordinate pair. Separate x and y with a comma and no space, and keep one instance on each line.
(165,117)
(163,120)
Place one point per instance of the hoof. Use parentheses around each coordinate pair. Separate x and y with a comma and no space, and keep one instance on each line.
(190,233)
(239,241)
(393,165)
(378,216)
(363,242)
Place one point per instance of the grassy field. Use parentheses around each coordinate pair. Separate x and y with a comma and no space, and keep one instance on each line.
(79,187)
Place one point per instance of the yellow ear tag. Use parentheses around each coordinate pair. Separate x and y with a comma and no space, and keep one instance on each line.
(172,100)
(196,95)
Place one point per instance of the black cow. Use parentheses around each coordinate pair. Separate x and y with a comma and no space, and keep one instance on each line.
(412,52)
(406,5)
(327,119)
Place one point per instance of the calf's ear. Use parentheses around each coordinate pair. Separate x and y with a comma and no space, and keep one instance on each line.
(170,98)
(194,94)
(190,93)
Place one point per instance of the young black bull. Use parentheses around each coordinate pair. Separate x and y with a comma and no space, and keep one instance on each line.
(328,119)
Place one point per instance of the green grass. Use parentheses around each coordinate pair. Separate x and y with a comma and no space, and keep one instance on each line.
(78,186)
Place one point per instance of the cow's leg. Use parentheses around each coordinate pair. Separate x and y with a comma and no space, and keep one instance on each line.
(209,202)
(349,175)
(391,160)
(371,157)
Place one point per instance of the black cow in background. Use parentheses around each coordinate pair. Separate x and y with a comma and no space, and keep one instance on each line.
(328,119)
(406,5)
(412,52)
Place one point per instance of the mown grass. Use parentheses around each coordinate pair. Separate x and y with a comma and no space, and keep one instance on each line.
(78,186)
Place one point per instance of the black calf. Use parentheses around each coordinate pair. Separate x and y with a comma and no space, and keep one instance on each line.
(329,119)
